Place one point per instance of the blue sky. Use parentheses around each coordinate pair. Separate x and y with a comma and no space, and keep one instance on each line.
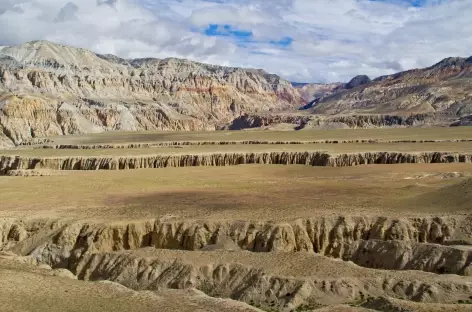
(301,40)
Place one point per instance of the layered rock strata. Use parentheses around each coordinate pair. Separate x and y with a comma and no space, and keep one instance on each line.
(350,238)
(443,87)
(52,89)
(306,121)
(260,287)
(117,252)
(8,163)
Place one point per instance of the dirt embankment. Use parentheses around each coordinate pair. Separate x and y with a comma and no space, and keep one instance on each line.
(248,121)
(149,255)
(8,163)
(370,242)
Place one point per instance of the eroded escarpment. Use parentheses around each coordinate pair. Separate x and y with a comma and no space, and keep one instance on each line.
(8,163)
(265,286)
(395,243)
(248,121)
(146,255)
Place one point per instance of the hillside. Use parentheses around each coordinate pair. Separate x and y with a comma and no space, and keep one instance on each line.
(49,89)
(443,87)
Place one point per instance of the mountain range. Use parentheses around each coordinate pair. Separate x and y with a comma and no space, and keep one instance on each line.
(48,89)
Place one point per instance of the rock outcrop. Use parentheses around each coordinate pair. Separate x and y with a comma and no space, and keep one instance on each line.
(443,87)
(349,238)
(51,89)
(463,121)
(48,89)
(357,81)
(261,287)
(312,91)
(8,163)
(135,256)
(305,121)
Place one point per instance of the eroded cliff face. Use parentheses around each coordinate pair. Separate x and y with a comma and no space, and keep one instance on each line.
(256,286)
(12,163)
(349,238)
(52,89)
(443,87)
(305,121)
(171,253)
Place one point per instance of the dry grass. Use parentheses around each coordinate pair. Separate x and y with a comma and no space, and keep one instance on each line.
(330,148)
(251,192)
(340,134)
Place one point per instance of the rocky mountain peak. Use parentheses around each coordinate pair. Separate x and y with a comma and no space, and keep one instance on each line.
(75,90)
(48,54)
(452,62)
(357,81)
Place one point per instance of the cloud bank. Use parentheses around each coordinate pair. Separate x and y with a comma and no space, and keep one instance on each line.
(301,40)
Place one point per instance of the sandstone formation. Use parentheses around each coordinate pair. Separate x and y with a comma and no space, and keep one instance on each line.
(351,238)
(306,121)
(261,287)
(313,91)
(463,121)
(443,87)
(97,252)
(281,266)
(48,89)
(8,163)
(34,288)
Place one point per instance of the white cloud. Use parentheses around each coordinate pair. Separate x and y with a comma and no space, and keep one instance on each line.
(332,39)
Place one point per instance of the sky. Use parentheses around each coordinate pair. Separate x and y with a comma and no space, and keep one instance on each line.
(301,40)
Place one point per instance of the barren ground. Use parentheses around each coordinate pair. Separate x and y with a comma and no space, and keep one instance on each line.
(330,148)
(383,237)
(248,192)
(305,135)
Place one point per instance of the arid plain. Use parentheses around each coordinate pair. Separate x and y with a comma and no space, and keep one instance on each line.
(340,220)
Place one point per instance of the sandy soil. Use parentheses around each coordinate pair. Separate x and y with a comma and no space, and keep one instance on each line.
(27,288)
(248,192)
(244,192)
(204,149)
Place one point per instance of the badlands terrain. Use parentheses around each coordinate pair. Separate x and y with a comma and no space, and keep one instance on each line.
(48,89)
(314,220)
(124,187)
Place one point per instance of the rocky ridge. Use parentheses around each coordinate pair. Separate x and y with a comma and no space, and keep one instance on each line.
(443,87)
(312,91)
(305,121)
(49,89)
